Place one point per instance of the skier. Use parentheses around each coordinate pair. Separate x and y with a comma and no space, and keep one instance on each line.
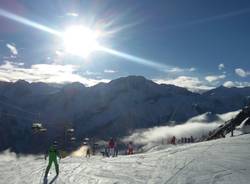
(182,140)
(173,141)
(106,153)
(53,153)
(185,140)
(116,150)
(192,139)
(111,147)
(130,149)
(232,127)
(88,152)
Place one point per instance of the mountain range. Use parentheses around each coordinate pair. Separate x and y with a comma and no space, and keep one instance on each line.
(104,110)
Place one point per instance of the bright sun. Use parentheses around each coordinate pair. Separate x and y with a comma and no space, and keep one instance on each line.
(80,40)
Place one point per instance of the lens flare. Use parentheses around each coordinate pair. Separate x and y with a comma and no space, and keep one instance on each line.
(28,22)
(81,41)
(135,59)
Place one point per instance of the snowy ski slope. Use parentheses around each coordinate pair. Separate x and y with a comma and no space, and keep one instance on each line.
(225,161)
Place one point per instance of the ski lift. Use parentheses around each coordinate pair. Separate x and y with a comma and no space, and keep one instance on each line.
(37,126)
(70,130)
(72,139)
(86,139)
(43,130)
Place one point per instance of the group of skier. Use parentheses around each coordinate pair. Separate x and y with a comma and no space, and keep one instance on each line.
(187,140)
(173,140)
(111,150)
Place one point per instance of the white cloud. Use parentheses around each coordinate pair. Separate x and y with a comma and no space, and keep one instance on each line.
(20,64)
(8,65)
(242,73)
(237,84)
(157,134)
(12,48)
(197,127)
(191,83)
(213,78)
(192,69)
(229,84)
(44,73)
(59,53)
(87,72)
(109,71)
(72,14)
(221,66)
(178,70)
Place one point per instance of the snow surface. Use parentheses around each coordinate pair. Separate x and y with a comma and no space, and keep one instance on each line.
(222,161)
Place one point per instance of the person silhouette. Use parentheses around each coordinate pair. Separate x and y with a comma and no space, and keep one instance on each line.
(52,153)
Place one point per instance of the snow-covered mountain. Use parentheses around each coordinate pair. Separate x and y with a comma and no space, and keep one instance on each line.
(224,161)
(107,109)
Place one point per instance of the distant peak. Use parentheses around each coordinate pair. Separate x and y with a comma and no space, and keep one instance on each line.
(133,77)
(21,82)
(222,87)
(73,87)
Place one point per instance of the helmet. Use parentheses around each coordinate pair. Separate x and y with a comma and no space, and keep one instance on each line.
(55,143)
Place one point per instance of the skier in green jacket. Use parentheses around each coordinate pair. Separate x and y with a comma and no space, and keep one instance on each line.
(53,153)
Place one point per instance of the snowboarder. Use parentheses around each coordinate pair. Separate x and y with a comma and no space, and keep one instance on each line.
(53,153)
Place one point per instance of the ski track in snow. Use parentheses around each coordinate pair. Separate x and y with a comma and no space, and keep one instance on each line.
(222,161)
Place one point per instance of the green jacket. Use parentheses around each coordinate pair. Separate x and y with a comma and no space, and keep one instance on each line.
(53,153)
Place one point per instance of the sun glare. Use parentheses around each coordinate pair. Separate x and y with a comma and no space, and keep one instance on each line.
(80,40)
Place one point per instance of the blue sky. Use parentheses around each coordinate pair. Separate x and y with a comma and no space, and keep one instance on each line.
(198,44)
